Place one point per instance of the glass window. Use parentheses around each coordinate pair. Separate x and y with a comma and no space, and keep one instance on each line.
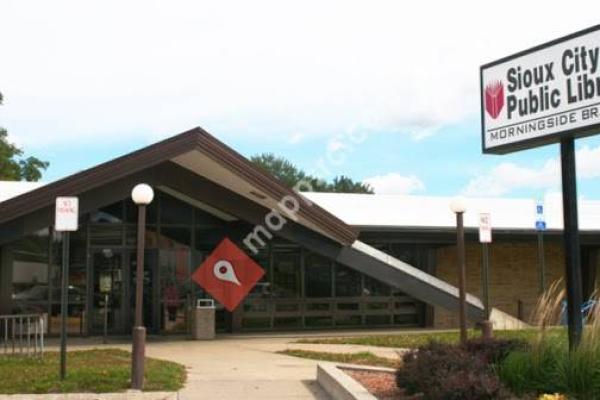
(175,237)
(106,235)
(77,282)
(286,272)
(206,220)
(111,214)
(131,212)
(175,288)
(317,276)
(256,306)
(30,268)
(151,236)
(206,239)
(77,266)
(262,289)
(373,287)
(347,282)
(174,211)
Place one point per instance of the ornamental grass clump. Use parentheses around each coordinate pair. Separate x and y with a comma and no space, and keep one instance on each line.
(548,366)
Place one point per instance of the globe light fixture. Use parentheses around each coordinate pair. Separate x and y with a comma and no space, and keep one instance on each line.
(142,194)
(458,205)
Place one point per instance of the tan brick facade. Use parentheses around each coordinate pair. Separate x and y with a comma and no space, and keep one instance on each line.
(514,276)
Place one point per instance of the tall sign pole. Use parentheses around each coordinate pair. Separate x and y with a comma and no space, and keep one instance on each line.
(548,94)
(571,239)
(66,220)
(540,227)
(485,238)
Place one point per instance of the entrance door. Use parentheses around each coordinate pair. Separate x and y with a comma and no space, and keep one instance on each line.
(109,274)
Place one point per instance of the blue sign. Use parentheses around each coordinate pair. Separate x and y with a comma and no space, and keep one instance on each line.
(540,225)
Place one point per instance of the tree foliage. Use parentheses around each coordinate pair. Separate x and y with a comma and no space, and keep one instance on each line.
(290,175)
(14,166)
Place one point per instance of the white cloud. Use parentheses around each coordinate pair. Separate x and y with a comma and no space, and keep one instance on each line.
(296,138)
(507,176)
(75,71)
(394,183)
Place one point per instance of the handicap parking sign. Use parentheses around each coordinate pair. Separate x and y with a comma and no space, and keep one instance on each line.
(540,225)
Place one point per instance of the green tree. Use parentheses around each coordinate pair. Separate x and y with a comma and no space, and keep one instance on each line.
(13,165)
(290,175)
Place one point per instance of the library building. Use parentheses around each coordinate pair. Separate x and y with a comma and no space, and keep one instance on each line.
(331,260)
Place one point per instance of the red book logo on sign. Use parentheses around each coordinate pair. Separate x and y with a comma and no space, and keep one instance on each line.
(494,98)
(228,274)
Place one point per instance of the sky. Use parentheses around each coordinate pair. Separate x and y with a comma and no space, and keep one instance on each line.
(385,92)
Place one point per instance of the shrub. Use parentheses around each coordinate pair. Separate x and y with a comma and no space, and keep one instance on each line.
(447,372)
(494,351)
(532,371)
(549,367)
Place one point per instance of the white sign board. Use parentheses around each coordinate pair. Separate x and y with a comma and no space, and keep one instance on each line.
(534,97)
(67,214)
(485,228)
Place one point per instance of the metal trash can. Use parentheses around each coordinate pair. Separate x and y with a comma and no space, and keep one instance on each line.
(203,320)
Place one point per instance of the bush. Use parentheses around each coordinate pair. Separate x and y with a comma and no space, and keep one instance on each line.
(533,371)
(549,367)
(494,351)
(448,372)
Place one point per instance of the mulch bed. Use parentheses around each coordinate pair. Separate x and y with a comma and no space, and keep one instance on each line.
(380,384)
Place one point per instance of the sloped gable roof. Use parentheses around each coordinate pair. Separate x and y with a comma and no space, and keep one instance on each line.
(195,139)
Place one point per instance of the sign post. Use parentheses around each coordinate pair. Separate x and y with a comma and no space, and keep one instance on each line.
(66,220)
(548,94)
(540,227)
(485,237)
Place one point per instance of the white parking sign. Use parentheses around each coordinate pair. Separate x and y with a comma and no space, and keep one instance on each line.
(485,228)
(67,214)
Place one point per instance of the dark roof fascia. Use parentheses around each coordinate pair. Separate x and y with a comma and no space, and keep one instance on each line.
(98,175)
(157,153)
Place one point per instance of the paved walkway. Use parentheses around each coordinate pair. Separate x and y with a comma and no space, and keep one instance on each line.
(240,367)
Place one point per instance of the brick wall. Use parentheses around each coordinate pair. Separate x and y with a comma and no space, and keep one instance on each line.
(514,275)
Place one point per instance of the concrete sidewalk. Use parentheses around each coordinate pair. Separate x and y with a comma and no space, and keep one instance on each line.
(234,369)
(230,369)
(238,367)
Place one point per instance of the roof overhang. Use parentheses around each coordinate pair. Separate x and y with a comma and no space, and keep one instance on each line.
(201,153)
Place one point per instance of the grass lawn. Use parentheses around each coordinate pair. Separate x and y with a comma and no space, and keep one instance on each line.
(362,358)
(416,339)
(97,371)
